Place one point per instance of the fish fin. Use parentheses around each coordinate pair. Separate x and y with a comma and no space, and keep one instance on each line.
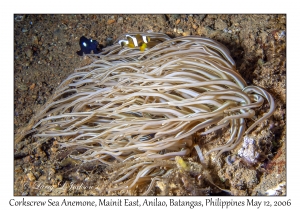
(131,45)
(80,53)
(143,47)
(96,51)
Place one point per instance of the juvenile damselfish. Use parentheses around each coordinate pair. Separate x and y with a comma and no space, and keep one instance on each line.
(87,46)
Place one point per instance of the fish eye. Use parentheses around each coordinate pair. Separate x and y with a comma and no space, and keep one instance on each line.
(91,40)
(84,44)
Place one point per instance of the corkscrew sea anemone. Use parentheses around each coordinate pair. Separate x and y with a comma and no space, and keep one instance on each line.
(130,105)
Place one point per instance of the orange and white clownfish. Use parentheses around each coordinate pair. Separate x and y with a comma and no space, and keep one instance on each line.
(133,41)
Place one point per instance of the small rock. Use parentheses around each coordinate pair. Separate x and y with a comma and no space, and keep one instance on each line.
(161,19)
(35,40)
(45,51)
(260,62)
(249,152)
(195,26)
(31,87)
(24,30)
(203,30)
(110,21)
(57,33)
(220,25)
(177,21)
(35,50)
(27,159)
(53,149)
(42,178)
(179,30)
(27,63)
(23,87)
(199,31)
(30,176)
(59,177)
(175,16)
(120,20)
(225,30)
(24,193)
(40,152)
(51,172)
(18,169)
(186,33)
(264,36)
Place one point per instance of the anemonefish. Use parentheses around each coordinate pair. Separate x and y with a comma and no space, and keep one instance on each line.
(133,41)
(87,46)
